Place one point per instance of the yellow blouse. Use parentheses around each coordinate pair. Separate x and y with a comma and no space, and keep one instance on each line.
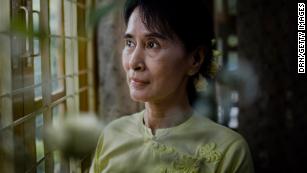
(195,146)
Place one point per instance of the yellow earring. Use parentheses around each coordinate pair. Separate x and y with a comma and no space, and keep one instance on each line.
(200,84)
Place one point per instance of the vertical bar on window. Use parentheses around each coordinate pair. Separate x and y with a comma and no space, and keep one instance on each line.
(56,59)
(76,71)
(55,17)
(46,90)
(6,136)
(75,55)
(91,60)
(69,69)
(5,65)
(82,44)
(39,142)
(6,150)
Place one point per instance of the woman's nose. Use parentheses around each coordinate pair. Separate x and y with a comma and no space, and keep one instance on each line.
(137,60)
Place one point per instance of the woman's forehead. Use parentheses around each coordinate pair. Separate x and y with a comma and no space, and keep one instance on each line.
(135,24)
(138,23)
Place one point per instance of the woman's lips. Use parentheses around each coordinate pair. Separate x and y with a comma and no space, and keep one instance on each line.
(137,83)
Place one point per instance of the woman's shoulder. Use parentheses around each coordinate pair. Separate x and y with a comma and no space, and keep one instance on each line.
(215,131)
(216,138)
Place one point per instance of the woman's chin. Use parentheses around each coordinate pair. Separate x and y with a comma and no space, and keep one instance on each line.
(138,97)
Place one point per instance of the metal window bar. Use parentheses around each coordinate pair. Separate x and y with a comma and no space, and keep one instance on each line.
(31,56)
(69,37)
(9,33)
(44,83)
(6,33)
(43,109)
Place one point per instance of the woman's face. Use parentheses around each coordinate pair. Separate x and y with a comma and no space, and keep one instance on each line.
(156,66)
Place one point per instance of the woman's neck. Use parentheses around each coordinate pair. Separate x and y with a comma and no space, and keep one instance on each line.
(165,115)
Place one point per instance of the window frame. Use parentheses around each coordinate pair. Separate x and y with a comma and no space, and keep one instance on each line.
(25,106)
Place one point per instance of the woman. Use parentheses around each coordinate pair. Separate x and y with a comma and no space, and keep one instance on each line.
(167,48)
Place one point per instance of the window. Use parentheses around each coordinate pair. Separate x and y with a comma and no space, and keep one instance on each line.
(45,74)
(227,43)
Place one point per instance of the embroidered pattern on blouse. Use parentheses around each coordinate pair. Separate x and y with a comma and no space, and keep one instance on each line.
(185,163)
(209,153)
(163,148)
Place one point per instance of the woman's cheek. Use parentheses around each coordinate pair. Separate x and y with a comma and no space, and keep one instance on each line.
(125,60)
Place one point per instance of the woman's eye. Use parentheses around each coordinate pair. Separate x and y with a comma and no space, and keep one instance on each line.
(129,43)
(152,44)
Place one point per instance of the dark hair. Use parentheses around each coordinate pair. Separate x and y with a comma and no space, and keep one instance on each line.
(190,21)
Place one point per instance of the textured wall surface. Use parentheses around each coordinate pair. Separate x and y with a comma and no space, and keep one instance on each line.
(275,125)
(114,99)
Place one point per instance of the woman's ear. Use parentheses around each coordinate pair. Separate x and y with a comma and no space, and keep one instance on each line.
(197,60)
